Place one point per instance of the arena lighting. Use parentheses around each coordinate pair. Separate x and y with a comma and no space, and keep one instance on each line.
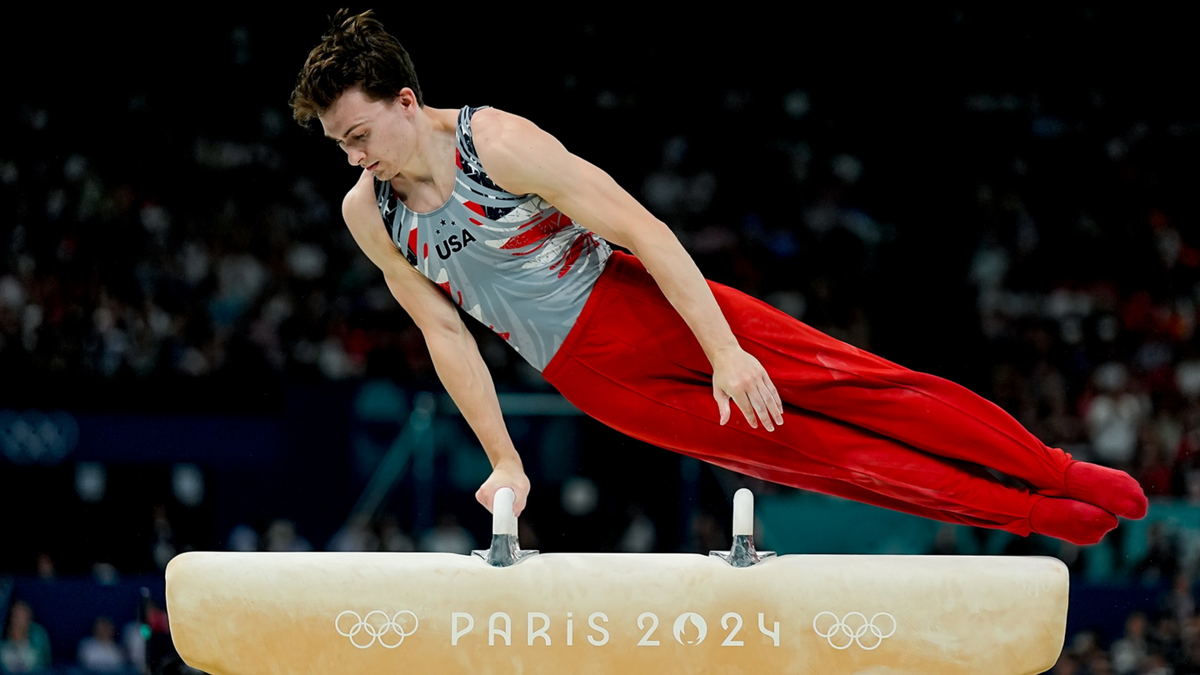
(740,611)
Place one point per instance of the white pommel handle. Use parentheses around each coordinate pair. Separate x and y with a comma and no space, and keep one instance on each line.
(743,513)
(503,520)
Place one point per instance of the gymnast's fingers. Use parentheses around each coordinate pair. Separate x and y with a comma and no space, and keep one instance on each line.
(743,402)
(771,401)
(760,408)
(777,399)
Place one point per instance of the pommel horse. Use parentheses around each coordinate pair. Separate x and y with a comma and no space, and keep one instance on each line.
(505,610)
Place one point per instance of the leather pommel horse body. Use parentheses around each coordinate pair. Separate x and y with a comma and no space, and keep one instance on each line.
(375,613)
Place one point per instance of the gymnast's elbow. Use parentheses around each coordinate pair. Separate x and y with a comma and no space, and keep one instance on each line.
(650,238)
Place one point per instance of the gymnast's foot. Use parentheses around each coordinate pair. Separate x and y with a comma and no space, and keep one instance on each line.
(1070,519)
(1114,491)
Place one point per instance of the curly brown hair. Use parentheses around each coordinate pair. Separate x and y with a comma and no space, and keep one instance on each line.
(355,51)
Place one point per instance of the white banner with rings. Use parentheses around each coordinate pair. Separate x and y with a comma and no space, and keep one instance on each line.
(36,437)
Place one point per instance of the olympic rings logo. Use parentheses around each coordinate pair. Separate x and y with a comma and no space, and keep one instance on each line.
(375,625)
(853,628)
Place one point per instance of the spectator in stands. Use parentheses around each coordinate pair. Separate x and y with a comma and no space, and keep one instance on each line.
(1180,604)
(1066,665)
(1156,664)
(1155,465)
(1114,416)
(45,567)
(356,535)
(705,534)
(26,648)
(157,648)
(164,548)
(1162,560)
(1165,640)
(1130,651)
(282,537)
(1191,664)
(1084,646)
(448,536)
(1187,458)
(392,539)
(243,538)
(1100,664)
(640,535)
(133,641)
(100,653)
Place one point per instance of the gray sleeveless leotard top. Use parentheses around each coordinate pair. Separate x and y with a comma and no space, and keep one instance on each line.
(511,261)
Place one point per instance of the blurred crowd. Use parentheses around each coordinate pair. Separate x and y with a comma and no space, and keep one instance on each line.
(26,646)
(1106,367)
(1087,281)
(1166,642)
(107,278)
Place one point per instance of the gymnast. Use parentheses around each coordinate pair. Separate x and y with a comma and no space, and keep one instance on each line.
(481,211)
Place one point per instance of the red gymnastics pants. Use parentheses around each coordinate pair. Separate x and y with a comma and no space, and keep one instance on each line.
(855,425)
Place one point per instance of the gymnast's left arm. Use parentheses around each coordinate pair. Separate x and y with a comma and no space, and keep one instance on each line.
(522,158)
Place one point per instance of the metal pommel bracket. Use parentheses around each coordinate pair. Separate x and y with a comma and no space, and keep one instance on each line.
(742,553)
(506,550)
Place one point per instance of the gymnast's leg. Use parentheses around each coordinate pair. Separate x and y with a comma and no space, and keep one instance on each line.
(816,372)
(633,364)
(657,404)
(1050,516)
(821,374)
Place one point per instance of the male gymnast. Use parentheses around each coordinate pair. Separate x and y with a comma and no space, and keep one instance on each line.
(481,211)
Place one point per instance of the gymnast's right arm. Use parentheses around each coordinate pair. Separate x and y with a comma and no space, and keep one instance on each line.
(453,350)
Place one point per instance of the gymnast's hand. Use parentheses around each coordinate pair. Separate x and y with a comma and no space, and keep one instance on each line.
(738,375)
(505,475)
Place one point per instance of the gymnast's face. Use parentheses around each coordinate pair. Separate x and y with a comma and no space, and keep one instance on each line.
(376,135)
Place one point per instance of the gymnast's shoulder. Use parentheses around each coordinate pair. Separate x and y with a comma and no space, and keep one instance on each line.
(517,154)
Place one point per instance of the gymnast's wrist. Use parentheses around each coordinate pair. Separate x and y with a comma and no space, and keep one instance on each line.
(509,461)
(724,350)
